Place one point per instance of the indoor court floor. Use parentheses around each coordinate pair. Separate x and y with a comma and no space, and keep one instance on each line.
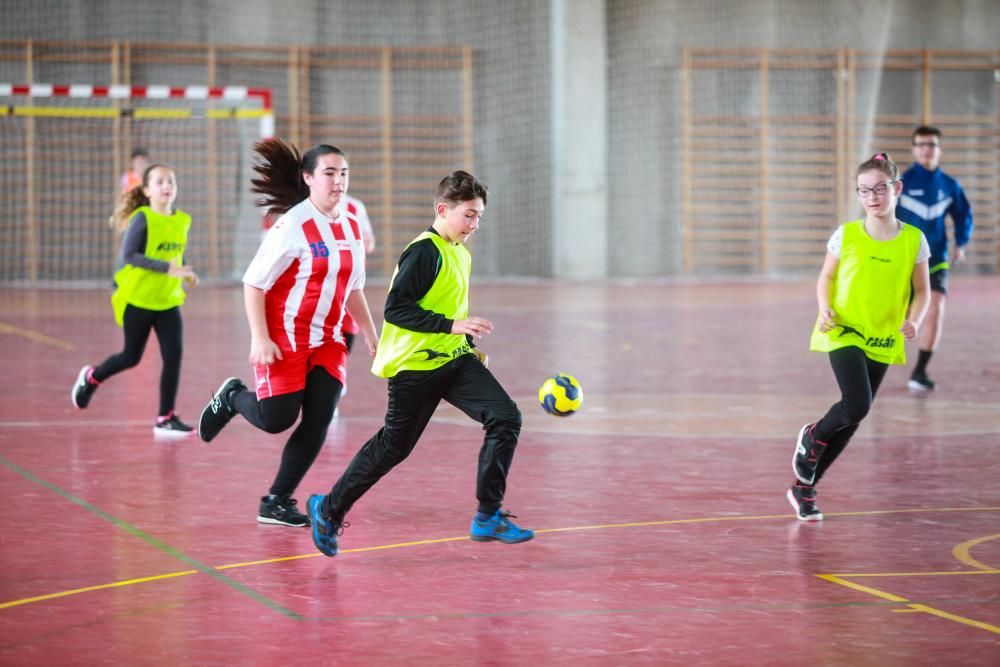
(664,536)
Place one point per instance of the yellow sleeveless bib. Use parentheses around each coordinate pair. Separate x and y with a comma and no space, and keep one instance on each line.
(871,293)
(166,239)
(404,350)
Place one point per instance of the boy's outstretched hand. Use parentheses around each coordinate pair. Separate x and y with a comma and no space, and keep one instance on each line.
(474,326)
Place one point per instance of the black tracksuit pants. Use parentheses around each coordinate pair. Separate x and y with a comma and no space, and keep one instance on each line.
(413,397)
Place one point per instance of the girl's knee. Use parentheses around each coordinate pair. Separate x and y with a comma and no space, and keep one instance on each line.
(856,412)
(278,423)
(131,360)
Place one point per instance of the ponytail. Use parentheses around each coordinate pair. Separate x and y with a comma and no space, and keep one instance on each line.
(279,182)
(279,169)
(880,162)
(129,201)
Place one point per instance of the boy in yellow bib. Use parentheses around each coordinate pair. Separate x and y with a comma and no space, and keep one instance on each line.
(873,268)
(426,353)
(149,292)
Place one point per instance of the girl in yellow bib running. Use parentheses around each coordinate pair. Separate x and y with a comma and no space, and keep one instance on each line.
(873,293)
(150,283)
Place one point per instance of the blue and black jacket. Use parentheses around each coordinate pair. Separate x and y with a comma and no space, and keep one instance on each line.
(928,196)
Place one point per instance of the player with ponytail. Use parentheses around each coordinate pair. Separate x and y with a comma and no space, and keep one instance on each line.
(872,269)
(308,272)
(150,289)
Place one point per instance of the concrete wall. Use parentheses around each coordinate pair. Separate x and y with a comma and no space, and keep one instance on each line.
(514,85)
(645,40)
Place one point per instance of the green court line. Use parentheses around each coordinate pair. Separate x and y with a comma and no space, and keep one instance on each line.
(153,542)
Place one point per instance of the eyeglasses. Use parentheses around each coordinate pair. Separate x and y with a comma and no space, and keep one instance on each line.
(880,190)
(926,144)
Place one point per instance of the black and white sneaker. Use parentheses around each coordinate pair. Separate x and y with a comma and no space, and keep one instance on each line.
(219,410)
(802,498)
(281,511)
(172,427)
(808,451)
(83,388)
(920,382)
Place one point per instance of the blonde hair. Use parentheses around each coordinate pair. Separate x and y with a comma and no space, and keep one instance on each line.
(130,200)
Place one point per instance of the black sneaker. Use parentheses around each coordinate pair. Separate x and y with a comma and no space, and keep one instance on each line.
(803,500)
(920,382)
(219,410)
(281,510)
(808,451)
(83,388)
(172,427)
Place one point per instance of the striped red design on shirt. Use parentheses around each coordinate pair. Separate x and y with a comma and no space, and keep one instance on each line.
(274,306)
(349,325)
(314,288)
(306,266)
(337,311)
(353,222)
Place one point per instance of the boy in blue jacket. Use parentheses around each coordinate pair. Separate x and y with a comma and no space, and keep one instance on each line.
(928,196)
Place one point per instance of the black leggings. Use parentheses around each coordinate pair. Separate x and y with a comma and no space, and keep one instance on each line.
(859,378)
(413,398)
(169,332)
(277,413)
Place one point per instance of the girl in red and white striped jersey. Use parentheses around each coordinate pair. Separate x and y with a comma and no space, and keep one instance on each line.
(308,271)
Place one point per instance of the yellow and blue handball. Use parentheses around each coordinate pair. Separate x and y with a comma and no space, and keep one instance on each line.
(560,395)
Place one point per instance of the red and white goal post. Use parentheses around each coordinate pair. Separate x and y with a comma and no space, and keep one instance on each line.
(63,149)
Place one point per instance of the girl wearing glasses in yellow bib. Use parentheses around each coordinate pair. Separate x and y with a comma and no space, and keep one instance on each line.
(872,293)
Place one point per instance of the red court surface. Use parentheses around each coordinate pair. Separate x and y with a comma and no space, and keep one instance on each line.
(664,536)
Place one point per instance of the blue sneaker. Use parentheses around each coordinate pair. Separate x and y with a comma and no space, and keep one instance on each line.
(324,531)
(499,527)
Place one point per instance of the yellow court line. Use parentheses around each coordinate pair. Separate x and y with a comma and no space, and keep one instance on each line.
(864,589)
(35,336)
(961,552)
(958,619)
(916,510)
(911,574)
(356,550)
(399,545)
(915,606)
(75,591)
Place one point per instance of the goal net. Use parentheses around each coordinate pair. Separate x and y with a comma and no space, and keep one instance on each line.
(64,149)
(722,136)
